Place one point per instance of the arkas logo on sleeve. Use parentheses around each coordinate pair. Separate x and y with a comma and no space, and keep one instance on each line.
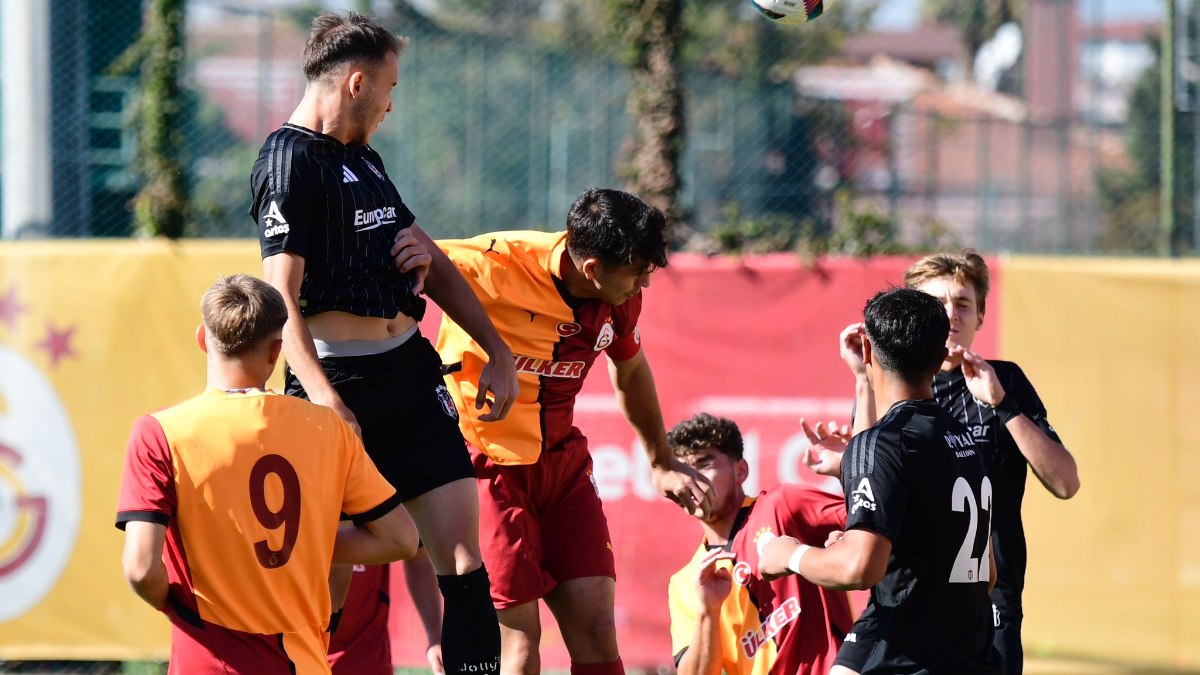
(754,640)
(39,466)
(568,369)
(274,224)
(863,496)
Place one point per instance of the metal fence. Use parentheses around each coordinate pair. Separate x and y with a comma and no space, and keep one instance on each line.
(494,133)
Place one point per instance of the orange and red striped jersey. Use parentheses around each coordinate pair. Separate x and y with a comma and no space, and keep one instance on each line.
(554,337)
(788,625)
(251,486)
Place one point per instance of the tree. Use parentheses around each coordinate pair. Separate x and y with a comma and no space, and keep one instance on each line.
(652,33)
(160,206)
(976,21)
(1129,197)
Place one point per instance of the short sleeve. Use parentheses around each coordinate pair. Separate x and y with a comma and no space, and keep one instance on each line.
(482,261)
(367,495)
(874,483)
(682,602)
(148,479)
(811,514)
(283,206)
(628,340)
(1022,391)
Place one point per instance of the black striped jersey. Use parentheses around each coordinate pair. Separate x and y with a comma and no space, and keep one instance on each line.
(333,205)
(917,478)
(1006,466)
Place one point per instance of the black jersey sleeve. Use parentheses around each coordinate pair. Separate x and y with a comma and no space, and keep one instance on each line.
(874,483)
(283,204)
(1017,385)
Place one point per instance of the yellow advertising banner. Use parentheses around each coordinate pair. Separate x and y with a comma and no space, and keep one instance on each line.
(1111,345)
(92,334)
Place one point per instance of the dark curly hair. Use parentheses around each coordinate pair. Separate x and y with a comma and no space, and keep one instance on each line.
(703,431)
(616,228)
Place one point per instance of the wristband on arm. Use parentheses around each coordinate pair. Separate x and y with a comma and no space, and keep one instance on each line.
(1007,410)
(797,555)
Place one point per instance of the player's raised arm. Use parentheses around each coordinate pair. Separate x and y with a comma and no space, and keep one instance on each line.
(634,386)
(498,384)
(1051,462)
(713,583)
(850,348)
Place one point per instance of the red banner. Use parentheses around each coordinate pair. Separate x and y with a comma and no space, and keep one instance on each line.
(754,340)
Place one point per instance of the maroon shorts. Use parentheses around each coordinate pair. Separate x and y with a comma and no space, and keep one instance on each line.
(362,644)
(541,524)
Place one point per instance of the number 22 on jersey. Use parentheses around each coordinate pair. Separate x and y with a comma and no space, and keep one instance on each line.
(968,569)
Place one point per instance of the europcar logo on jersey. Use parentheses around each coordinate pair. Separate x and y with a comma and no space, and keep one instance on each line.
(567,329)
(39,467)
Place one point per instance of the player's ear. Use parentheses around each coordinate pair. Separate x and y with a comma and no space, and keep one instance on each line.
(201,339)
(354,83)
(980,323)
(589,268)
(274,351)
(741,470)
(868,354)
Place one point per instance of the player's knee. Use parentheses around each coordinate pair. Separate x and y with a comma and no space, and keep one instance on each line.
(592,639)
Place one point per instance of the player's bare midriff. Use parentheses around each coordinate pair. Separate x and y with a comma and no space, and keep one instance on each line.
(336,326)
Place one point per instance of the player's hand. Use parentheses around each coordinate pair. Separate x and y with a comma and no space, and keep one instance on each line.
(773,557)
(828,444)
(850,347)
(685,486)
(410,255)
(334,402)
(834,537)
(434,656)
(714,581)
(499,380)
(980,376)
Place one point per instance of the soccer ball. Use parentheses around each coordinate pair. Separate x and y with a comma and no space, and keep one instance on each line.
(789,11)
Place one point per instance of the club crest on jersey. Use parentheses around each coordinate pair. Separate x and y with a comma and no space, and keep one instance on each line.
(568,328)
(377,172)
(863,496)
(606,337)
(443,395)
(741,573)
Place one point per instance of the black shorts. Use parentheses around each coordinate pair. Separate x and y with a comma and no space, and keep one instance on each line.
(859,642)
(409,424)
(1008,619)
